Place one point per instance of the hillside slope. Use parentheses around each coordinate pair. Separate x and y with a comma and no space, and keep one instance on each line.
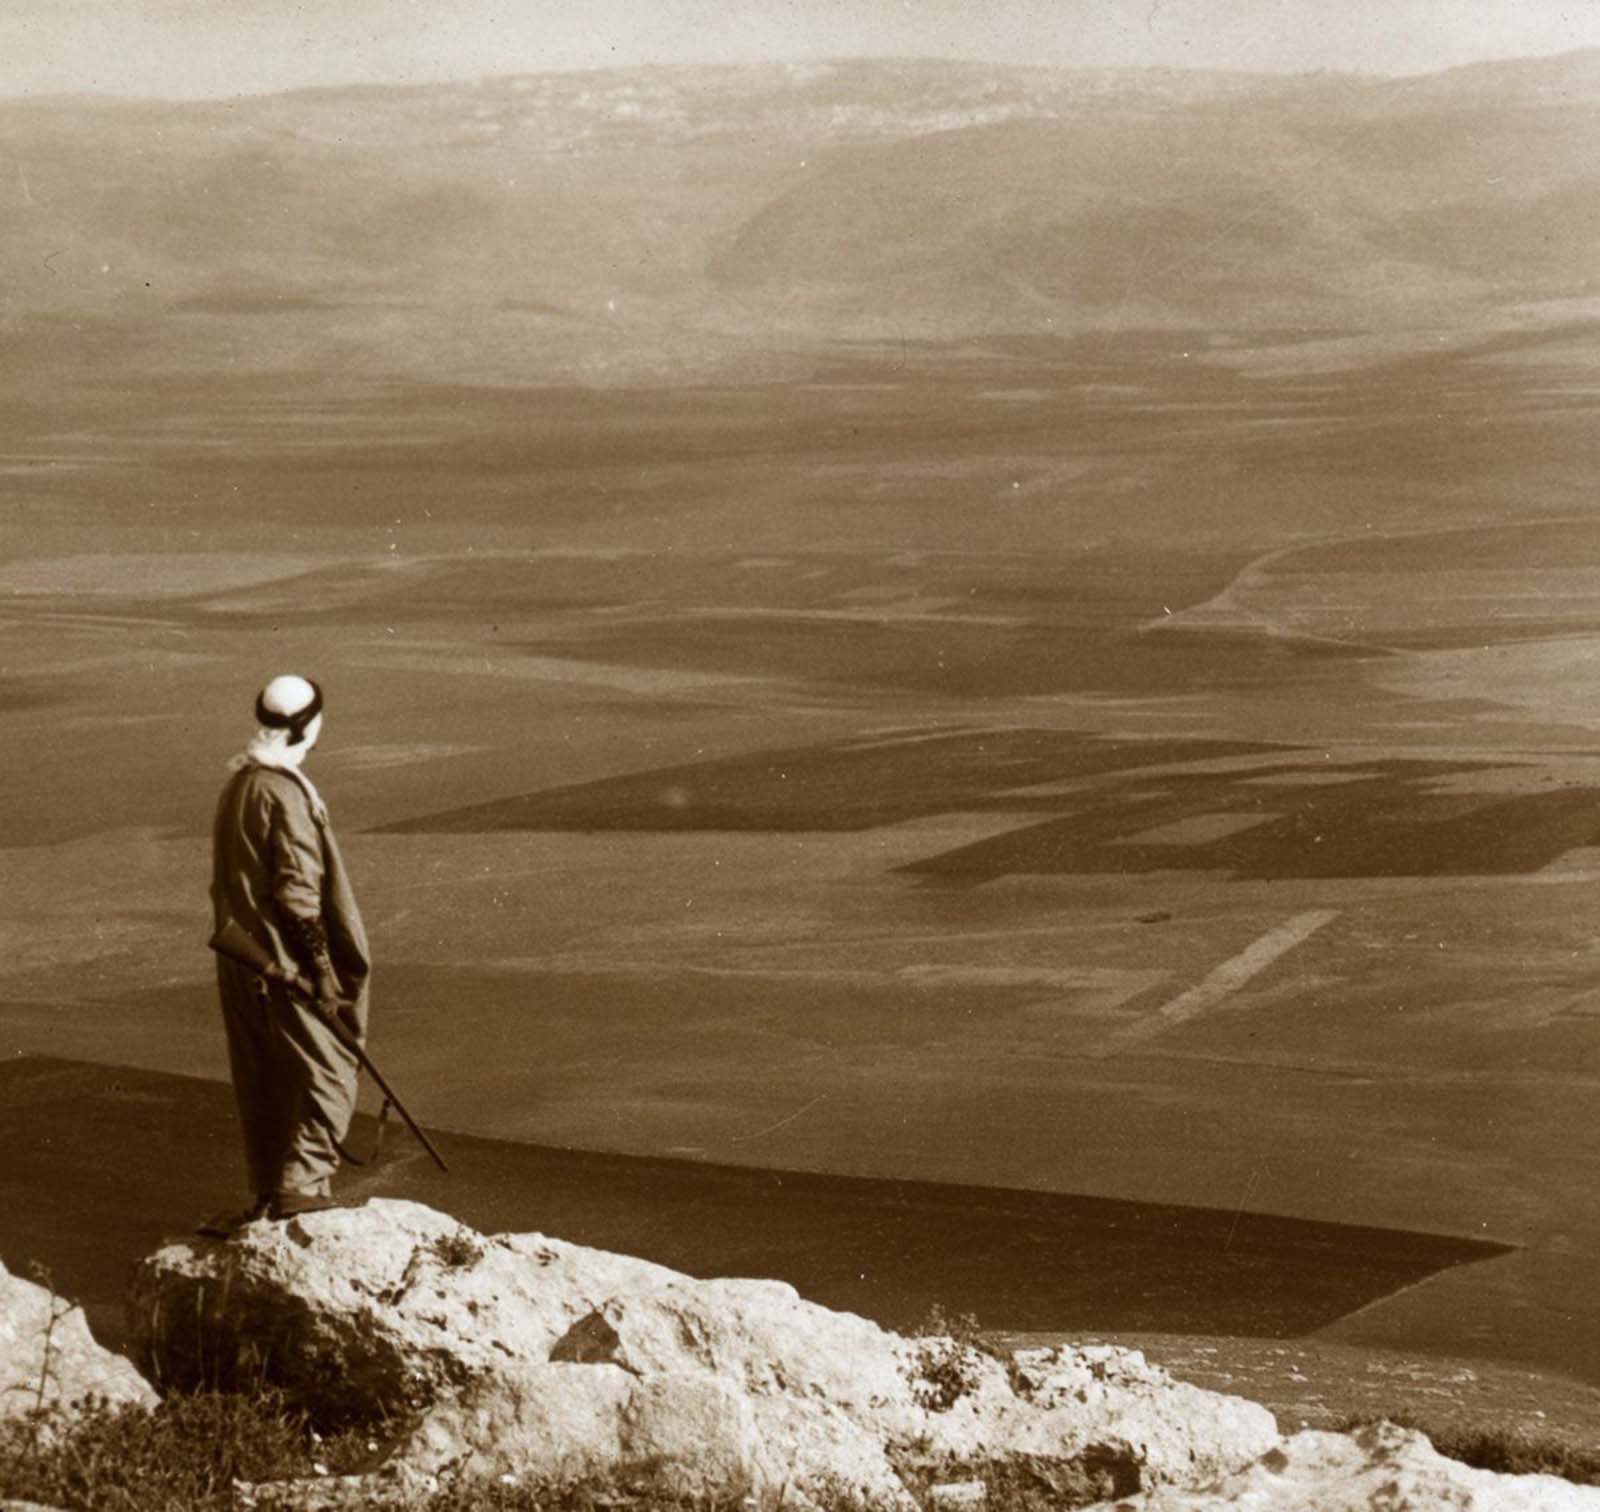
(680,216)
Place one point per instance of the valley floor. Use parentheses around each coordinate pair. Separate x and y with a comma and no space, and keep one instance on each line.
(1029,776)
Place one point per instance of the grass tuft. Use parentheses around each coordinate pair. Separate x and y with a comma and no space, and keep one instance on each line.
(458,1251)
(181,1456)
(185,1454)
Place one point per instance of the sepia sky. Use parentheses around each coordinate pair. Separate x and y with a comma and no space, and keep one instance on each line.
(217,48)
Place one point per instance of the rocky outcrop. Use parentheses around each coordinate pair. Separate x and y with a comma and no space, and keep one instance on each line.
(366,1312)
(49,1358)
(1381,1468)
(531,1358)
(835,1399)
(526,1360)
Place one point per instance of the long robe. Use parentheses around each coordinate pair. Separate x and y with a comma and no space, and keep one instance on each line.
(274,856)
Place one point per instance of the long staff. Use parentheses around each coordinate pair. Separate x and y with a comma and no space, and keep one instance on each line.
(234,941)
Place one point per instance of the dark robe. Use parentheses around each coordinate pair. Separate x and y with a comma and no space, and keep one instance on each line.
(274,857)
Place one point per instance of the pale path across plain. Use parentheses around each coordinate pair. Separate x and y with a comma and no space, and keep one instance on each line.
(1220,984)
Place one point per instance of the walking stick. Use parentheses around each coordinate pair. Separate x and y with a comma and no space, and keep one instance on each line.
(234,942)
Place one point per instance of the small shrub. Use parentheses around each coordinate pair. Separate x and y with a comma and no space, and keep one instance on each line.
(964,1328)
(946,1345)
(456,1251)
(946,1372)
(945,1358)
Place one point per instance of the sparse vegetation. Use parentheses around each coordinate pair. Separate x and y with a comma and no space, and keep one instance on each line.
(32,1421)
(948,1349)
(947,1358)
(964,1328)
(182,1456)
(186,1455)
(458,1251)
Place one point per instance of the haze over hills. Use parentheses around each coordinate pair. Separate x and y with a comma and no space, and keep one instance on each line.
(672,219)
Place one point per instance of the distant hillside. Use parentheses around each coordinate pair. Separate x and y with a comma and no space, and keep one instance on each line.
(1572,78)
(1257,211)
(676,217)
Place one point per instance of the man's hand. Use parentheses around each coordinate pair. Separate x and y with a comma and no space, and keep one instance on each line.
(309,941)
(300,986)
(325,995)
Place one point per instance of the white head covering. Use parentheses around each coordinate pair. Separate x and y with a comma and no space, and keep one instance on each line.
(285,735)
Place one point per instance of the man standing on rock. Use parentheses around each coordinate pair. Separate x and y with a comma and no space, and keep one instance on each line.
(277,874)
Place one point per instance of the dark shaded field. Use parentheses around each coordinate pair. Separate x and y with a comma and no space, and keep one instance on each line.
(1386,819)
(856,785)
(890,1250)
(1395,818)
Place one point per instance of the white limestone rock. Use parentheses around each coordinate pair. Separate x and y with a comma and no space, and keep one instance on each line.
(528,1358)
(555,1425)
(836,1405)
(1381,1468)
(48,1356)
(364,1312)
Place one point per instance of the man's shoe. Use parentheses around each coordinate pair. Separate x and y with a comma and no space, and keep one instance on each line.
(293,1204)
(226,1225)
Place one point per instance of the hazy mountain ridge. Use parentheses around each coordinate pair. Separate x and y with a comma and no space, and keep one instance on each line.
(672,212)
(1572,77)
(1223,214)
